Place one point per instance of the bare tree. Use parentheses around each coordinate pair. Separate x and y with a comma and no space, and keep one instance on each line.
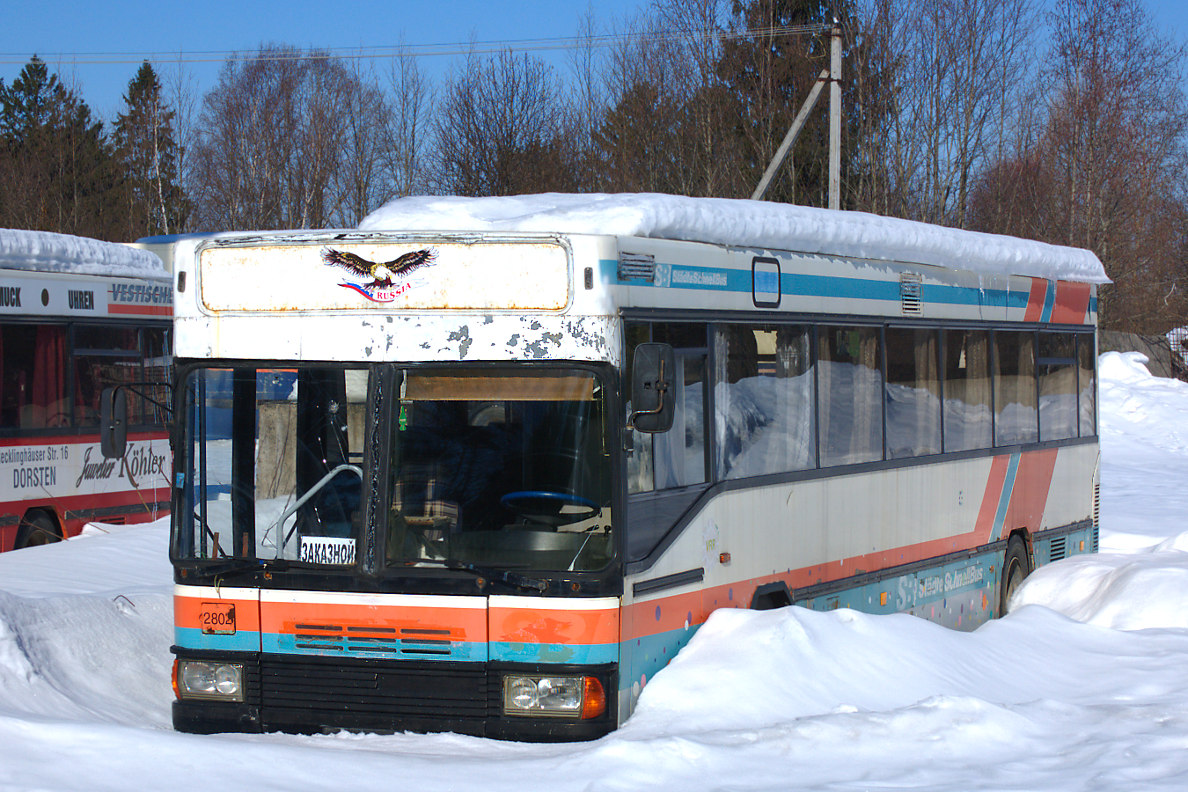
(412,103)
(665,128)
(637,144)
(181,98)
(286,142)
(1104,171)
(955,71)
(871,83)
(502,128)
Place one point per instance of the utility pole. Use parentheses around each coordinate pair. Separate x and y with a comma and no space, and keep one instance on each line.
(835,64)
(790,138)
(832,75)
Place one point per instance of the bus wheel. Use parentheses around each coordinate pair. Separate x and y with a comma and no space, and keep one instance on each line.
(1015,567)
(37,528)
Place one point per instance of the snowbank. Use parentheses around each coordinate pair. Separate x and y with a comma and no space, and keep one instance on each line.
(1081,686)
(43,251)
(744,223)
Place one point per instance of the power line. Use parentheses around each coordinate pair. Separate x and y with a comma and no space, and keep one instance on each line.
(412,51)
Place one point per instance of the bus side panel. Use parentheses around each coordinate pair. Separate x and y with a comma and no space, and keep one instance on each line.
(924,539)
(68,477)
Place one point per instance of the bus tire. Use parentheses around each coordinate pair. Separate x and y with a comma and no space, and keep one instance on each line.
(37,528)
(1015,567)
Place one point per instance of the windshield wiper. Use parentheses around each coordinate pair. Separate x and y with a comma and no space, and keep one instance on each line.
(505,576)
(230,565)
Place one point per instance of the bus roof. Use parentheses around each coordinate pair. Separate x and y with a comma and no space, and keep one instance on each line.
(742,223)
(43,251)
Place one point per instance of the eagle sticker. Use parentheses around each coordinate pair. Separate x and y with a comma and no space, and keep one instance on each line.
(385,281)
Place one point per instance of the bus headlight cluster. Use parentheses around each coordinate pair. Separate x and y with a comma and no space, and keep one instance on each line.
(556,696)
(203,679)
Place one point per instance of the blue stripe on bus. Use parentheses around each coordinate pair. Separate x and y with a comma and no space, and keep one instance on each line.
(457,651)
(579,654)
(1004,498)
(799,284)
(650,653)
(1049,302)
(959,594)
(240,641)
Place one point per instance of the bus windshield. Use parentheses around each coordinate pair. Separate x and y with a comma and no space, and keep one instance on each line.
(273,464)
(501,469)
(493,469)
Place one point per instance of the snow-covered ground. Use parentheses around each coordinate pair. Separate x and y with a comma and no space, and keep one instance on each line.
(1083,686)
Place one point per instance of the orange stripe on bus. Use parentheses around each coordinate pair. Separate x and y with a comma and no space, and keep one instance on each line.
(1072,303)
(456,624)
(140,310)
(1030,494)
(551,626)
(1035,301)
(186,610)
(991,497)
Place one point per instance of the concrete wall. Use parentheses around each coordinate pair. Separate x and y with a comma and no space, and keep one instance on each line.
(1162,363)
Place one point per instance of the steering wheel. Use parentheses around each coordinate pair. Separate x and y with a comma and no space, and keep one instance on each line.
(546,506)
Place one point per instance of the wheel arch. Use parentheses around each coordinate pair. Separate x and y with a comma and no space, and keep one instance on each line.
(39,525)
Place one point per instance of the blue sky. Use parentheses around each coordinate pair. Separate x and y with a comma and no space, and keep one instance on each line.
(69,33)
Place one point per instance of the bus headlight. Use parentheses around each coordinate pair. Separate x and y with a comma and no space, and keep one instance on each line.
(553,696)
(203,679)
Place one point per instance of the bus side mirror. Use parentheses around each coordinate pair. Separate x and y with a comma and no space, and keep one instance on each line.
(652,388)
(113,423)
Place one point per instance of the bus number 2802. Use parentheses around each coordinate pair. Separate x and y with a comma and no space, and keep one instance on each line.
(217,618)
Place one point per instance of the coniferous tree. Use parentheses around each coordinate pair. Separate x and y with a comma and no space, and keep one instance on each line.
(56,171)
(147,154)
(768,74)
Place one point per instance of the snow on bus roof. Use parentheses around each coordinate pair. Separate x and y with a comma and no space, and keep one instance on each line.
(44,251)
(745,223)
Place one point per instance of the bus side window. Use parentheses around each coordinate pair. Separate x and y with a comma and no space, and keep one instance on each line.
(763,400)
(1016,413)
(1057,368)
(850,394)
(968,415)
(676,458)
(1086,382)
(913,400)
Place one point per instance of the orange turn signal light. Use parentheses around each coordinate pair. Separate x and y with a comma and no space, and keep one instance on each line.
(593,698)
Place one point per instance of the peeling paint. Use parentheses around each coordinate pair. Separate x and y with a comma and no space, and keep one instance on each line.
(514,340)
(462,336)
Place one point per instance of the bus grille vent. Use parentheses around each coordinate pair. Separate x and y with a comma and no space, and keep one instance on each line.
(1096,505)
(376,641)
(372,695)
(1058,549)
(910,284)
(636,266)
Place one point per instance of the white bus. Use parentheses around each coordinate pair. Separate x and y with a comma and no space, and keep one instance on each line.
(77,316)
(486,465)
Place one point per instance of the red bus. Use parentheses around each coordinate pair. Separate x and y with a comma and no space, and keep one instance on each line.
(77,316)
